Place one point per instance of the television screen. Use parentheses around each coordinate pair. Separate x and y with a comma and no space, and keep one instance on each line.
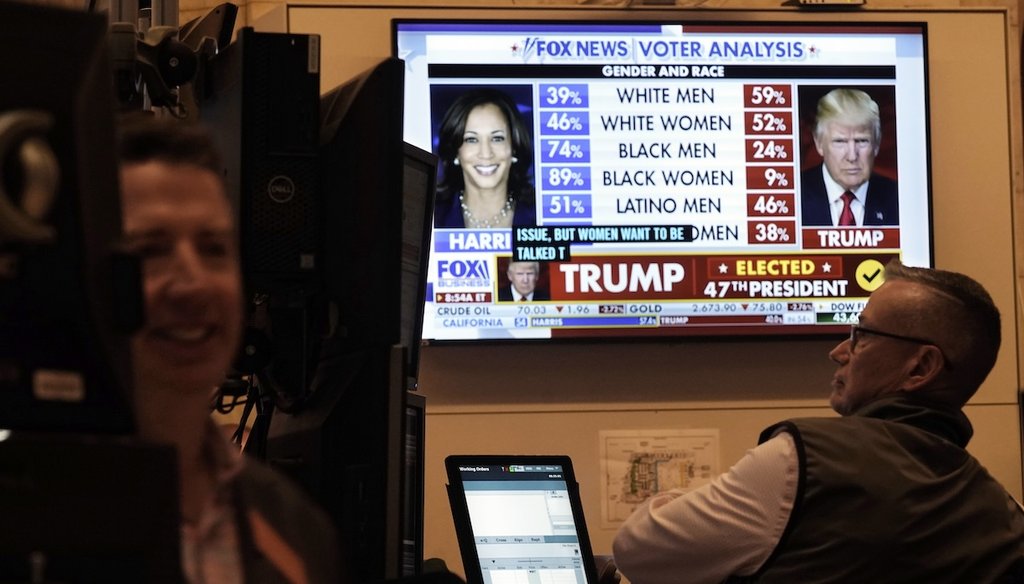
(653,179)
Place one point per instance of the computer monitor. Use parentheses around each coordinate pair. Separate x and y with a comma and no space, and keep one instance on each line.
(67,300)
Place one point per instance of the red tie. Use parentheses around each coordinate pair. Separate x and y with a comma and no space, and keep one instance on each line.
(846,217)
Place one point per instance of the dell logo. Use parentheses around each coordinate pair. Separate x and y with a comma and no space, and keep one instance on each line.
(281,189)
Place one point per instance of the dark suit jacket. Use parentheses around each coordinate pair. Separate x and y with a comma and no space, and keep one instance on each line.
(882,205)
(505,294)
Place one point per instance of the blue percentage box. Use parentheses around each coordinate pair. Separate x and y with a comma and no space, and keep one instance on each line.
(563,95)
(565,123)
(566,178)
(567,206)
(567,150)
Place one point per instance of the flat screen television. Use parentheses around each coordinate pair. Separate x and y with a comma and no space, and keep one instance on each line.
(666,179)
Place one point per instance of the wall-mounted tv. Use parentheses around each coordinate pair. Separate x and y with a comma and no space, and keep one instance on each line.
(666,179)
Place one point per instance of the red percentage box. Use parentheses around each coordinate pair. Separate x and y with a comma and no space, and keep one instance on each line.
(767,96)
(769,177)
(768,123)
(769,149)
(771,232)
(770,205)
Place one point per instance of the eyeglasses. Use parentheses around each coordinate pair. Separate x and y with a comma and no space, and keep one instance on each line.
(856,331)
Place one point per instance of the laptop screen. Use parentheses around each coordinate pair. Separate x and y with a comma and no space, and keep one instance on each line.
(524,521)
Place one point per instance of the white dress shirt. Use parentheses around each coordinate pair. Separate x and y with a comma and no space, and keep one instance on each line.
(835,201)
(517,297)
(727,527)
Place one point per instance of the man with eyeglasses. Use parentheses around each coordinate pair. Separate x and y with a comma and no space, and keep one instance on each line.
(885,493)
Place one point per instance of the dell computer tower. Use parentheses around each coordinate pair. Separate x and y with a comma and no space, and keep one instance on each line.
(262,104)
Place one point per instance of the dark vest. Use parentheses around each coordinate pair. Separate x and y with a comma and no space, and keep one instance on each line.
(890,495)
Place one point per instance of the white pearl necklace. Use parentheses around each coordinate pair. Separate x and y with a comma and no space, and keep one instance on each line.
(494,221)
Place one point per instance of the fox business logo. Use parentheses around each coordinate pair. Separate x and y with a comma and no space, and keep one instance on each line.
(545,48)
(463,274)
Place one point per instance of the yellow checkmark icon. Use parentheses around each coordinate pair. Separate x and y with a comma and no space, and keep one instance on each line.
(869,274)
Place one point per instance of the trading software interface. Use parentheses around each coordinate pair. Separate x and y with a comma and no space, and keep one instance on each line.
(523,524)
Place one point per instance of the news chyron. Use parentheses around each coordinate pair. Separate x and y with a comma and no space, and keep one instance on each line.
(684,179)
